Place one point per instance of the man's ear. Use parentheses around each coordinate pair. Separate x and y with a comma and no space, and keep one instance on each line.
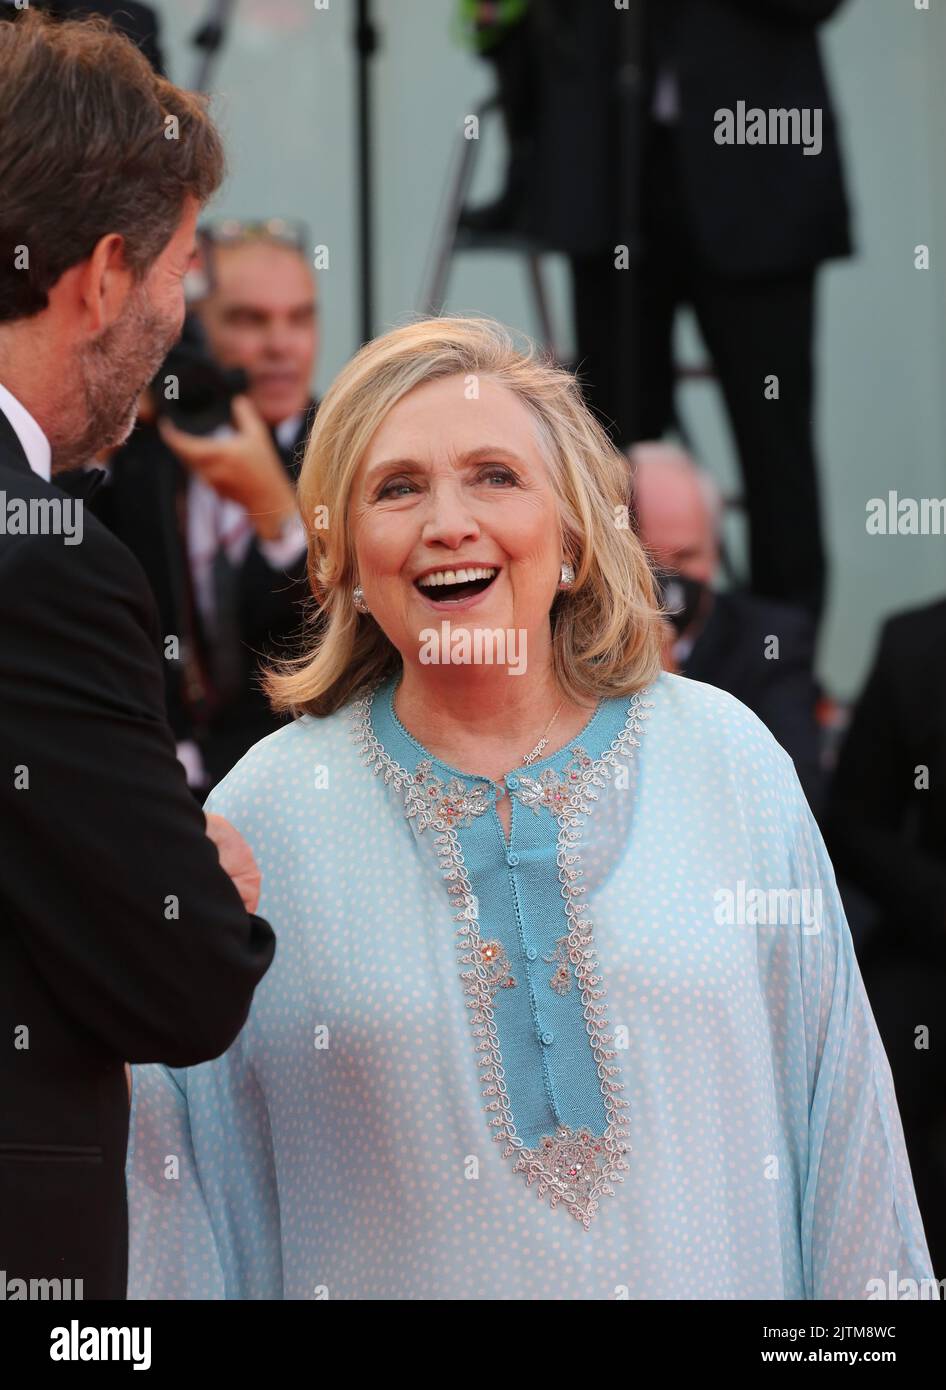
(100,284)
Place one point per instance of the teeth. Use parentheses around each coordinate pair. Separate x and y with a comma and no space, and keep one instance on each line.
(457,576)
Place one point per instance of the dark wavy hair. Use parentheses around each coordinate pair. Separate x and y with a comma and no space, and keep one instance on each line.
(92,141)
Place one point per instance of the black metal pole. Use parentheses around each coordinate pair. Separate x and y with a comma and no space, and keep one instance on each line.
(366,41)
(209,39)
(631,121)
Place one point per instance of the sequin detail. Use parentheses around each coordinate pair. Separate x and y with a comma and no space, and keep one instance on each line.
(454,803)
(571,1161)
(561,979)
(497,966)
(553,789)
(574,1167)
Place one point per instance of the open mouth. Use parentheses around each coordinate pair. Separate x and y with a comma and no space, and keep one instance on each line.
(448,586)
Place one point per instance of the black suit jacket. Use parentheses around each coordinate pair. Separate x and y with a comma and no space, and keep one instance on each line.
(885,832)
(729,652)
(140,505)
(753,210)
(121,938)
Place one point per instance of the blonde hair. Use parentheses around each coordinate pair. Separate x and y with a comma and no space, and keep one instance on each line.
(605,629)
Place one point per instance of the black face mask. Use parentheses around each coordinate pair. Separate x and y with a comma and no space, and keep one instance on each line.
(679,596)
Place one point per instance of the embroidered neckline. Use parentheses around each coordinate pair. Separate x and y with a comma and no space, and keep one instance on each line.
(430,758)
(572,1166)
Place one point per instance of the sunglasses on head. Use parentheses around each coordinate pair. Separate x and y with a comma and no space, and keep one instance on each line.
(228,231)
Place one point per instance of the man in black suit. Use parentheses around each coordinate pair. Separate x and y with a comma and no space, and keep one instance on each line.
(630,172)
(761,652)
(885,826)
(122,938)
(213,519)
(735,231)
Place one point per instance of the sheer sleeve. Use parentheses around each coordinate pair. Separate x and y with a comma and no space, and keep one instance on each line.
(861,1230)
(171,1248)
(208,1225)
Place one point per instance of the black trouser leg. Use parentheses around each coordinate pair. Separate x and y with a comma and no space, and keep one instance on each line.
(757,330)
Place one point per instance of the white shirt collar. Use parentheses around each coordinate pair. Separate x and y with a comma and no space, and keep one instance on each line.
(287,429)
(35,444)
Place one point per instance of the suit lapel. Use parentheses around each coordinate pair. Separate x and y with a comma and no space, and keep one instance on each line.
(292,454)
(710,648)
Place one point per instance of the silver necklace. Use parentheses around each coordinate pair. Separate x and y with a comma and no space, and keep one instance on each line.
(543,741)
(529,758)
(500,784)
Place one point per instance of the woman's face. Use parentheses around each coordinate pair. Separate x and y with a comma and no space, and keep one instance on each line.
(453,483)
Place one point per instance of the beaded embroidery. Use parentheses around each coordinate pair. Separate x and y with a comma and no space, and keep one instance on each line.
(496,962)
(553,789)
(573,1158)
(453,804)
(575,1167)
(561,980)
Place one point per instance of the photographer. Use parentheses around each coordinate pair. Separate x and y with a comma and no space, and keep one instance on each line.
(203,493)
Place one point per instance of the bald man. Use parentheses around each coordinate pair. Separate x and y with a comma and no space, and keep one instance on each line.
(760,651)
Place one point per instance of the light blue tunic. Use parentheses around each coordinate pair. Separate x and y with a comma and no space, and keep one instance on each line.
(627,1054)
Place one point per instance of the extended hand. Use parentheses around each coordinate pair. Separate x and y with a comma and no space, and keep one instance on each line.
(236,858)
(244,467)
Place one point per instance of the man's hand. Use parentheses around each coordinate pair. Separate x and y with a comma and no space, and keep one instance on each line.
(236,858)
(244,467)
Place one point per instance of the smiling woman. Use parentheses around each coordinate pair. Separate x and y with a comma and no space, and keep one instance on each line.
(444,445)
(501,963)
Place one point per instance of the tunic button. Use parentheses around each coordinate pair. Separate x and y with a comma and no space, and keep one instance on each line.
(531,953)
(512,859)
(512,782)
(548,1038)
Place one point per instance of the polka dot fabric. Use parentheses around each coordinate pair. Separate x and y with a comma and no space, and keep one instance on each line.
(340,1148)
